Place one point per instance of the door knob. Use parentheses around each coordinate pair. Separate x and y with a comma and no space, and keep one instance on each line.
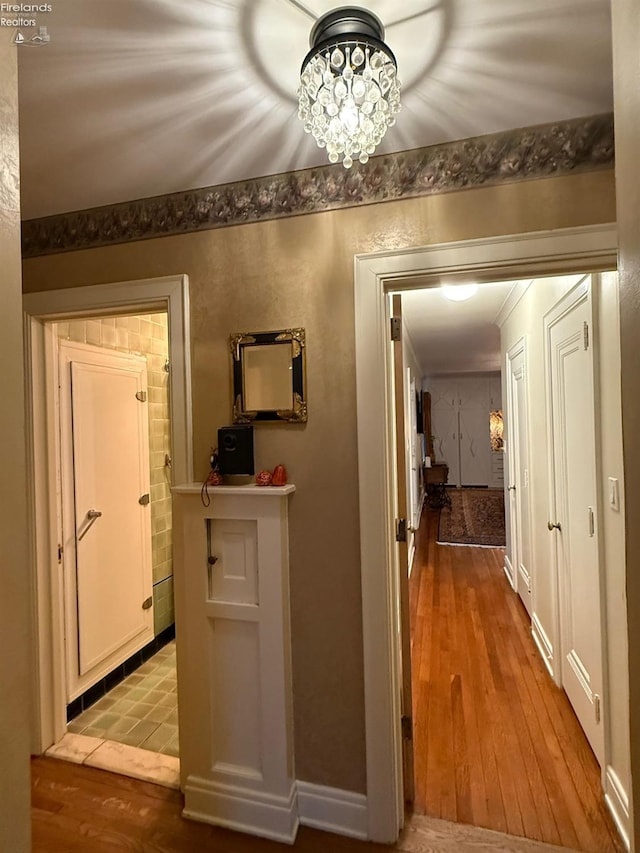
(555,526)
(511,488)
(94,513)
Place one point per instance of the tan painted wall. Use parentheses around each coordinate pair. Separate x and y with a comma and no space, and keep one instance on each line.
(15,625)
(299,272)
(626,67)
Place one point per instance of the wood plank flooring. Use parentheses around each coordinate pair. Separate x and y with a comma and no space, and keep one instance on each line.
(79,809)
(496,743)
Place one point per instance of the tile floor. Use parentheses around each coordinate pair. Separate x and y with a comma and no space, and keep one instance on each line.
(141,711)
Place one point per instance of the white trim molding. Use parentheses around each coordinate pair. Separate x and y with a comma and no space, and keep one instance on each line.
(543,643)
(251,811)
(332,810)
(617,801)
(508,570)
(523,256)
(170,294)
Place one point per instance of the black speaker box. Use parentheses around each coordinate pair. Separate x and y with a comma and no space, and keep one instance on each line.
(235,449)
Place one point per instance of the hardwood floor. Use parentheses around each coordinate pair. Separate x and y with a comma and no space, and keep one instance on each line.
(496,742)
(80,809)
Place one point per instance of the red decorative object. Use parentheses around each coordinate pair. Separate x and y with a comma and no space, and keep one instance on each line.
(263,478)
(214,478)
(279,476)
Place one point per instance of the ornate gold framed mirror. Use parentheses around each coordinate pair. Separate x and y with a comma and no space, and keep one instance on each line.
(269,376)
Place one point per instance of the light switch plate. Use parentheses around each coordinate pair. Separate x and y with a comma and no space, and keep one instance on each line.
(614,493)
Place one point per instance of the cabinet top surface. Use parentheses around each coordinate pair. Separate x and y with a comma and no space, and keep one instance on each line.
(250,490)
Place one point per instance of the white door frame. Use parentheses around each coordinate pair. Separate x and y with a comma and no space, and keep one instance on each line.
(508,257)
(170,294)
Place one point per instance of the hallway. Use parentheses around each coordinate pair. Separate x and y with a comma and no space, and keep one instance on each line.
(496,743)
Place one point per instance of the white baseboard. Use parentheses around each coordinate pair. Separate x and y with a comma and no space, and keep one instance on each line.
(244,810)
(524,579)
(617,802)
(543,643)
(333,810)
(508,570)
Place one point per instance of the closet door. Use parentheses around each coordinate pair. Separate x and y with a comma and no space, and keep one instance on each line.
(444,423)
(495,393)
(475,448)
(473,392)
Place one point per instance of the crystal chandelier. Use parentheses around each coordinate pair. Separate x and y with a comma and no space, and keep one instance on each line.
(349,90)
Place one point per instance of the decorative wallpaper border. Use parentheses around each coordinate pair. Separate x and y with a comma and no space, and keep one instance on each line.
(583,144)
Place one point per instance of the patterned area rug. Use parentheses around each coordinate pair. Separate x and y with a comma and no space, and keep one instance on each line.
(476,517)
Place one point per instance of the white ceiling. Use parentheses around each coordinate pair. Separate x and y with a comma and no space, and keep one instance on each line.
(135,98)
(455,337)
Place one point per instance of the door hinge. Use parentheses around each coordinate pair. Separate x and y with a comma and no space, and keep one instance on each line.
(60,552)
(592,522)
(596,706)
(407,728)
(401,529)
(396,329)
(147,603)
(143,500)
(585,331)
(141,396)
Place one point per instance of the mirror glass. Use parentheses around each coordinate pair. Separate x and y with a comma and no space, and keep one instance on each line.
(269,376)
(266,377)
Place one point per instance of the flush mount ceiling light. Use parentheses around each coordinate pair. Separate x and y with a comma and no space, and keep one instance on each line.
(458,292)
(349,90)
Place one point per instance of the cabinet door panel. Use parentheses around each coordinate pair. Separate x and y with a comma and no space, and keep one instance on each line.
(445,441)
(444,395)
(475,447)
(473,392)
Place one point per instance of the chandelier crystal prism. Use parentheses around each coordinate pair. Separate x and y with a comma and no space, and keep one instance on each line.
(349,91)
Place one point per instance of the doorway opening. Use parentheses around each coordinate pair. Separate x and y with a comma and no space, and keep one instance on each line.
(110,424)
(496,742)
(485,260)
(118,566)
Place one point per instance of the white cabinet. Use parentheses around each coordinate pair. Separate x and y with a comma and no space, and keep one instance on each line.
(234,659)
(460,407)
(497,469)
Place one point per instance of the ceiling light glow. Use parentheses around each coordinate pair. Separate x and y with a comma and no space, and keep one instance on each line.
(349,91)
(458,292)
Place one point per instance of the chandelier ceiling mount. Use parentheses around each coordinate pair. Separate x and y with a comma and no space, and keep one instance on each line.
(349,91)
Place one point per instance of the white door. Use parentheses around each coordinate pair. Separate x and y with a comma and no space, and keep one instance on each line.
(402,550)
(518,487)
(413,454)
(574,506)
(475,446)
(106,516)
